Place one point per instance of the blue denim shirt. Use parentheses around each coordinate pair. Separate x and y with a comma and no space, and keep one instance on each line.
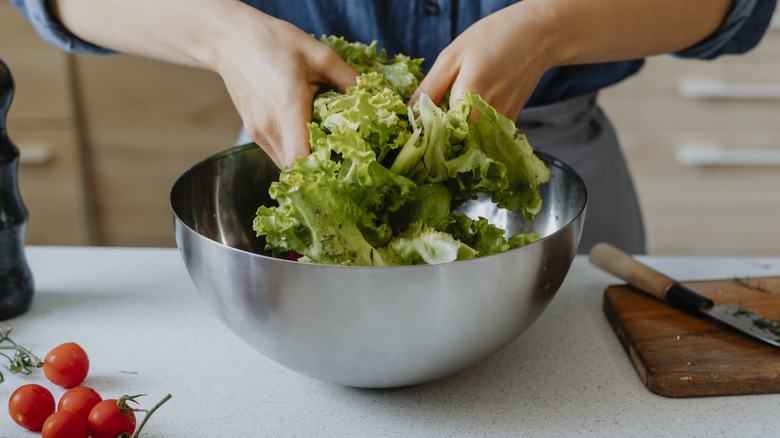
(422,28)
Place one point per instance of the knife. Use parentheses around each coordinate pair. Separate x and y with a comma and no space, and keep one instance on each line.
(652,282)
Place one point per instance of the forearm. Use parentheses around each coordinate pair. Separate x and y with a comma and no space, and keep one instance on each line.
(612,30)
(181,32)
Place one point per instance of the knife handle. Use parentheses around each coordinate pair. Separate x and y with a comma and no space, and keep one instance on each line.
(645,278)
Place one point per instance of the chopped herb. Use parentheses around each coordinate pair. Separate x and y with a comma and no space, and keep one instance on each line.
(755,286)
(767,325)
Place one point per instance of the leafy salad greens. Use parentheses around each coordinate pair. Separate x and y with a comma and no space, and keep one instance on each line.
(382,182)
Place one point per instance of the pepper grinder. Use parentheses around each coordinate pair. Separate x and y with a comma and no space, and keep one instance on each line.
(16,281)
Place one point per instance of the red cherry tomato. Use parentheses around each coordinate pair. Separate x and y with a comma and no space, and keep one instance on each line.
(65,424)
(79,399)
(107,421)
(30,405)
(66,365)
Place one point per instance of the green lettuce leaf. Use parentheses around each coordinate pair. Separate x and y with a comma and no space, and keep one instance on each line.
(424,245)
(401,72)
(382,181)
(499,140)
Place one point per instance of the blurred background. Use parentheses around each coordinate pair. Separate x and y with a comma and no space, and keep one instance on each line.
(103,139)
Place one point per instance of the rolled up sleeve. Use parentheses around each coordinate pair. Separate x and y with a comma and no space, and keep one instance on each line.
(53,32)
(742,30)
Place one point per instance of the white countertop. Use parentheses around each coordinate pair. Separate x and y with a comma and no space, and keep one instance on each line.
(146,330)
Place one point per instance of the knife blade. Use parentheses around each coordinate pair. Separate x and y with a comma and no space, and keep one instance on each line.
(659,285)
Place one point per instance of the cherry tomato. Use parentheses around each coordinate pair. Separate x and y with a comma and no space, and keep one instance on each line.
(79,399)
(107,421)
(29,406)
(65,424)
(66,365)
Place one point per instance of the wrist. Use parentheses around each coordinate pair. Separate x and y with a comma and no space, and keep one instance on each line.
(544,24)
(217,31)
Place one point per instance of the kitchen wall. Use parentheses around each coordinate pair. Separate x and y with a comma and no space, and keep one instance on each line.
(703,141)
(104,138)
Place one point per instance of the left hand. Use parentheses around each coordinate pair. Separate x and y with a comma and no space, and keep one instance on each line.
(501,57)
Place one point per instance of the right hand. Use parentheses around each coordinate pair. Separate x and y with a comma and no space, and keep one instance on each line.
(272,70)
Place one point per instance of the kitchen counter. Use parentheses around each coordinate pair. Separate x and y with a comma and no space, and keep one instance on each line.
(146,330)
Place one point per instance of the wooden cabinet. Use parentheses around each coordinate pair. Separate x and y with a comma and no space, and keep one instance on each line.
(104,138)
(703,141)
(145,123)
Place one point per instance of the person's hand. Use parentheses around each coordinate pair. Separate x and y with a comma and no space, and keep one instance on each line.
(270,67)
(503,56)
(500,57)
(272,73)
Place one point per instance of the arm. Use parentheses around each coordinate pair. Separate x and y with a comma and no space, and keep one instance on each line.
(503,56)
(270,68)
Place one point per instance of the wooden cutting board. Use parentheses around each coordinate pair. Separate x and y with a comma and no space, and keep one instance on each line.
(680,355)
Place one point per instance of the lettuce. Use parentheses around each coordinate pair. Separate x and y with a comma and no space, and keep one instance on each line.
(382,182)
(402,73)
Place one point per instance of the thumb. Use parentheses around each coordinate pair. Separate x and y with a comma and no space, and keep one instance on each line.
(336,72)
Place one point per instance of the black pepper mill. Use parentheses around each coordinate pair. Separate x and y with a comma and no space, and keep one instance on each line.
(16,282)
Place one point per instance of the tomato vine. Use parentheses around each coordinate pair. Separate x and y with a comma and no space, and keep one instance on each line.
(21,359)
(126,409)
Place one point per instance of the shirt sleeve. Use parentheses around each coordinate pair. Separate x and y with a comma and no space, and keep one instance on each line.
(51,31)
(741,31)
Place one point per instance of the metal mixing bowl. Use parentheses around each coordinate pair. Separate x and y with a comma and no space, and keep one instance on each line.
(374,327)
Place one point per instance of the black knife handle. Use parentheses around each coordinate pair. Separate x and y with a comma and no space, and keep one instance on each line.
(686,299)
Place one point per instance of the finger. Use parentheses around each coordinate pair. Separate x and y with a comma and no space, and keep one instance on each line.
(458,92)
(262,126)
(506,98)
(296,142)
(341,76)
(265,145)
(329,68)
(292,126)
(438,80)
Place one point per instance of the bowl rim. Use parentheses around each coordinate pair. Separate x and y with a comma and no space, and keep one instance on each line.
(548,158)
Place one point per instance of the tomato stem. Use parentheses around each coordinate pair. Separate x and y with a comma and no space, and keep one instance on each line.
(22,359)
(149,414)
(125,409)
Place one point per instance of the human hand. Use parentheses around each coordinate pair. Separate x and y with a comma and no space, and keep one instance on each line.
(500,57)
(272,70)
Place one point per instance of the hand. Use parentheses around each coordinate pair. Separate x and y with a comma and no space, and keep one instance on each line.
(503,56)
(272,73)
(270,67)
(500,57)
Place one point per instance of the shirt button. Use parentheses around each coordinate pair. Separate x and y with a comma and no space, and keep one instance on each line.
(431,8)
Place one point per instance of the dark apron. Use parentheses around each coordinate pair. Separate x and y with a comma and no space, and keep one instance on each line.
(577,132)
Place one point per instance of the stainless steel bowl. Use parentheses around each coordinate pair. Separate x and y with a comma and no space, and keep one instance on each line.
(374,327)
